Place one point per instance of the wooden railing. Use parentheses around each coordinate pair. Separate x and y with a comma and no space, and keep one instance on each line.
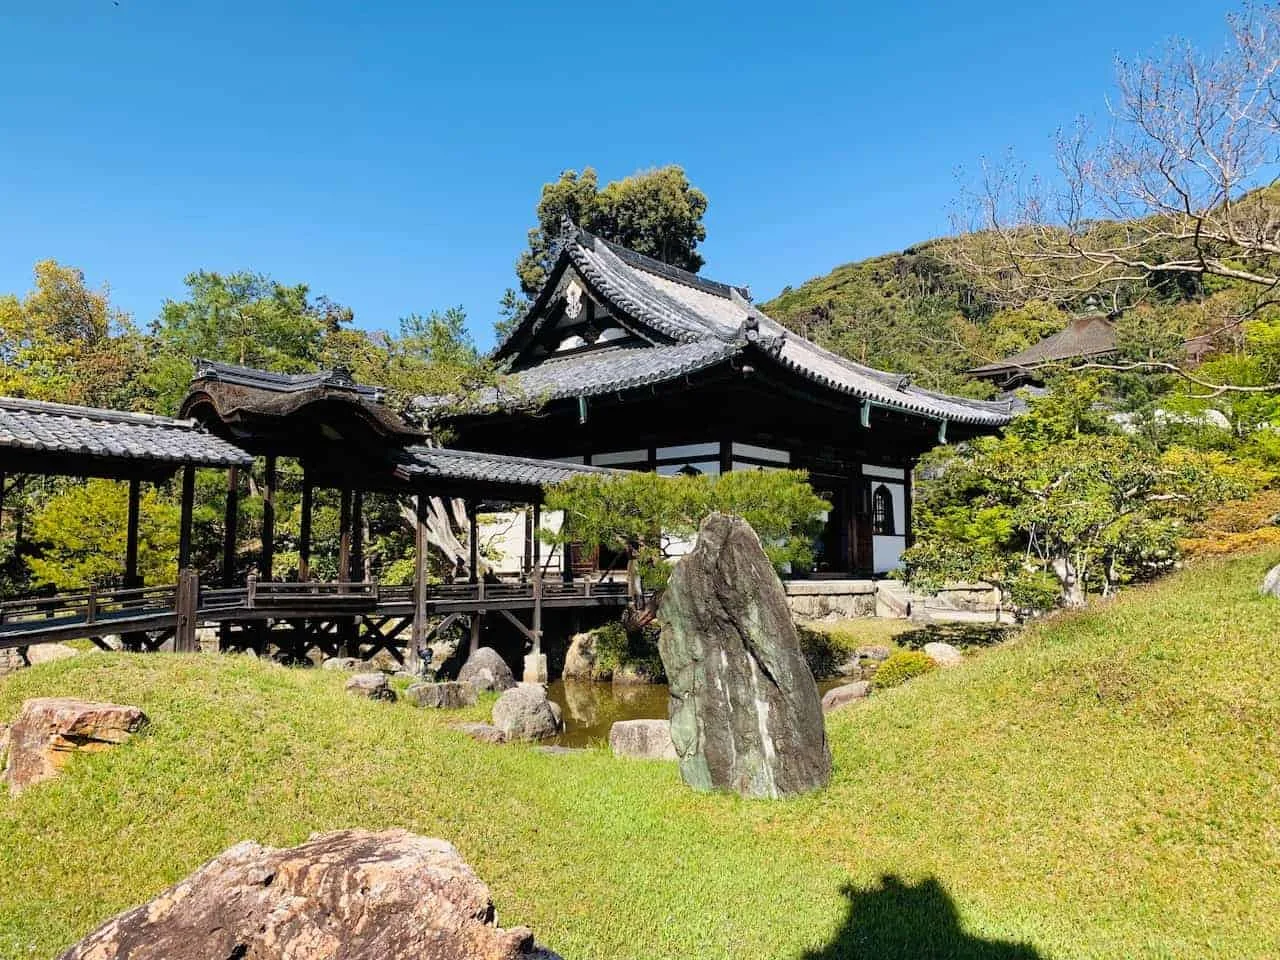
(90,606)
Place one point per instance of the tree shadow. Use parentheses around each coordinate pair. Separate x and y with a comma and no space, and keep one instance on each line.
(913,922)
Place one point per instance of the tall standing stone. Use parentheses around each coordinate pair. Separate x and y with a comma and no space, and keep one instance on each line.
(745,711)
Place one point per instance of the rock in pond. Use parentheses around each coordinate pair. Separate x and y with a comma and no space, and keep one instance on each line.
(745,711)
(875,651)
(843,695)
(486,670)
(1270,586)
(371,685)
(450,695)
(525,713)
(50,729)
(943,654)
(580,659)
(642,740)
(346,895)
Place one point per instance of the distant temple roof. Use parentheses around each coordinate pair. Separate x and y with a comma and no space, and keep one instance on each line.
(1085,338)
(682,323)
(108,442)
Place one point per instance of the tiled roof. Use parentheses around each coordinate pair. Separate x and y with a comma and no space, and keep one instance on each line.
(1084,337)
(694,323)
(442,463)
(86,431)
(282,382)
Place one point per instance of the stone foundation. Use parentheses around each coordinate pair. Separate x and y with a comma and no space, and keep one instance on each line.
(890,599)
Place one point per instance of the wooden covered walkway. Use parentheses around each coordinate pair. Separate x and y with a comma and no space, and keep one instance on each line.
(345,438)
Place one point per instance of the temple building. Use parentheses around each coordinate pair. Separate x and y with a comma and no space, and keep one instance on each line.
(625,362)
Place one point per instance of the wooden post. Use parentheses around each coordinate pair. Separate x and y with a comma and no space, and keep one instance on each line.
(537,541)
(357,536)
(526,564)
(131,578)
(230,521)
(344,537)
(268,520)
(304,535)
(474,545)
(186,604)
(184,525)
(2,493)
(537,610)
(475,631)
(413,661)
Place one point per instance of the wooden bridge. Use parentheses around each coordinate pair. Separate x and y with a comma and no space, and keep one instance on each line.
(339,619)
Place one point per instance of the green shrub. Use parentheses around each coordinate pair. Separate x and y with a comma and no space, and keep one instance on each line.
(616,650)
(901,667)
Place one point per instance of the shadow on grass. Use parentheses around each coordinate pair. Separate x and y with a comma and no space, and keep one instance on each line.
(902,921)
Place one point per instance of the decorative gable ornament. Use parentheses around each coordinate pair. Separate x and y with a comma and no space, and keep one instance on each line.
(573,300)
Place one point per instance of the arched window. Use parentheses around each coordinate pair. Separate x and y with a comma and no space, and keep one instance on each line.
(882,511)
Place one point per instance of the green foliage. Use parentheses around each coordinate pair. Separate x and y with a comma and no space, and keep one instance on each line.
(635,652)
(1064,491)
(244,318)
(901,666)
(65,343)
(81,535)
(641,514)
(655,212)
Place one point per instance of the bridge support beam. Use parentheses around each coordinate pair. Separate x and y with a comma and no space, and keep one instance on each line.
(184,525)
(473,536)
(230,522)
(418,637)
(131,578)
(304,533)
(357,536)
(344,536)
(268,520)
(186,604)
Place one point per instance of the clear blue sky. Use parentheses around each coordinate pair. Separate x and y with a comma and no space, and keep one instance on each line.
(390,154)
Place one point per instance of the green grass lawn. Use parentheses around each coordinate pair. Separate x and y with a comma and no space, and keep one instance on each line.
(1107,785)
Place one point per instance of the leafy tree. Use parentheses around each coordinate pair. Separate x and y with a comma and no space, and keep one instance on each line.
(80,536)
(644,516)
(1065,493)
(655,212)
(244,318)
(64,342)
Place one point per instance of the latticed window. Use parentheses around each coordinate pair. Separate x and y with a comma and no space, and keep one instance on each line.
(882,511)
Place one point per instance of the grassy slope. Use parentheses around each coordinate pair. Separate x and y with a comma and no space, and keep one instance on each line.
(1104,787)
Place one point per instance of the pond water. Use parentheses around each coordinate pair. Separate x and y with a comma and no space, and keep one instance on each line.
(590,709)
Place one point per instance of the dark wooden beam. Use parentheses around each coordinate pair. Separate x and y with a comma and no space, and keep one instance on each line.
(537,541)
(419,586)
(268,520)
(184,524)
(304,534)
(357,535)
(474,539)
(344,536)
(230,523)
(131,578)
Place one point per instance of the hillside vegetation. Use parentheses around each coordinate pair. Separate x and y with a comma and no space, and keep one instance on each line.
(1106,786)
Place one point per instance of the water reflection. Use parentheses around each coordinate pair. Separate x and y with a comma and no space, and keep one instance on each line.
(590,709)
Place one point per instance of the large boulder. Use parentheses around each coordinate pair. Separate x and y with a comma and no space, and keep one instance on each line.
(845,694)
(486,670)
(642,740)
(483,732)
(347,895)
(374,686)
(745,711)
(525,713)
(50,730)
(1270,586)
(943,654)
(451,695)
